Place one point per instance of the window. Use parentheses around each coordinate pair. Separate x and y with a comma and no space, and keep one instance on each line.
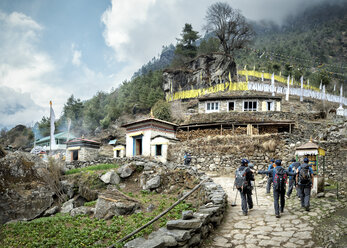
(212,107)
(158,150)
(250,105)
(270,106)
(231,106)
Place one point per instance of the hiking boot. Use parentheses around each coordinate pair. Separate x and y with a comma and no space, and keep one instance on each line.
(281,210)
(278,216)
(287,196)
(307,209)
(245,213)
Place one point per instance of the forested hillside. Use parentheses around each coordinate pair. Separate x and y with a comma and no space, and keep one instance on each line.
(313,41)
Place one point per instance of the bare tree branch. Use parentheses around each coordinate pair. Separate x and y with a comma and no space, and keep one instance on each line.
(229,25)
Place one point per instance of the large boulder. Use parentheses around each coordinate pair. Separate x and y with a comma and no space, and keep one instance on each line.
(110,177)
(24,195)
(107,207)
(82,210)
(153,183)
(126,170)
(87,193)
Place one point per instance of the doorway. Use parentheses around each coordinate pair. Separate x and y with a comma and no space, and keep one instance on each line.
(137,146)
(75,155)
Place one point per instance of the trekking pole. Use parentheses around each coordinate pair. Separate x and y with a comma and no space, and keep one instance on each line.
(233,204)
(256,195)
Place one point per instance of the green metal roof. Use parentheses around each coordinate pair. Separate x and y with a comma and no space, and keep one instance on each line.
(62,135)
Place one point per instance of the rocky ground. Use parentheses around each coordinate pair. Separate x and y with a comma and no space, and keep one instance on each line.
(295,228)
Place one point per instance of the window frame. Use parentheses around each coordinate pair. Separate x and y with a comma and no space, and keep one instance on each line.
(234,106)
(250,109)
(273,105)
(212,106)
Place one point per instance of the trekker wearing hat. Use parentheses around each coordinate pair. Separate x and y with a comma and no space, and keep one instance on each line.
(279,175)
(243,178)
(292,182)
(269,179)
(304,180)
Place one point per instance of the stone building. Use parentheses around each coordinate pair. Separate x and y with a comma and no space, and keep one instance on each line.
(82,150)
(150,138)
(119,151)
(239,104)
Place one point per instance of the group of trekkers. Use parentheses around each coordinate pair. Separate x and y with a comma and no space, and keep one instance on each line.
(300,176)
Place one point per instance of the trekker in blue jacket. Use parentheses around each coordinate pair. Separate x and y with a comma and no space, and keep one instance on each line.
(292,182)
(269,179)
(305,183)
(279,175)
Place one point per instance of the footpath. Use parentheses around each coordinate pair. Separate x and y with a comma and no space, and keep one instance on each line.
(260,228)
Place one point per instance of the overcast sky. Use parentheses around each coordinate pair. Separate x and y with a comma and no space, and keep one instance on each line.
(50,49)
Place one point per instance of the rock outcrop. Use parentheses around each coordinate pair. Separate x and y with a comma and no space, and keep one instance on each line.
(200,72)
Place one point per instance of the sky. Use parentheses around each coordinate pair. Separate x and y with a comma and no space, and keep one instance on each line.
(51,49)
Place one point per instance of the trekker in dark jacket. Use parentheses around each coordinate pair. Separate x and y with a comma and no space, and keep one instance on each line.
(269,179)
(292,180)
(305,183)
(246,189)
(279,175)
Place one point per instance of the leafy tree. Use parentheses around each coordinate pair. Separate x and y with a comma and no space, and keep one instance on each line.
(45,126)
(186,47)
(209,46)
(229,25)
(161,110)
(73,110)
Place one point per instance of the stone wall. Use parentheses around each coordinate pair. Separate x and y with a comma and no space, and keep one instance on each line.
(193,227)
(224,153)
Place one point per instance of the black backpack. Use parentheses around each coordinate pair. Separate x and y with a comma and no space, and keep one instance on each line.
(240,179)
(304,175)
(280,178)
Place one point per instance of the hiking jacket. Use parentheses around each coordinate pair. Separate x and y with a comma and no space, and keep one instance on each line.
(249,174)
(310,170)
(271,166)
(272,172)
(291,168)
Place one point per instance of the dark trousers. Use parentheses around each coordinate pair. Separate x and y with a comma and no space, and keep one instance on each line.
(291,185)
(246,199)
(305,194)
(268,184)
(279,195)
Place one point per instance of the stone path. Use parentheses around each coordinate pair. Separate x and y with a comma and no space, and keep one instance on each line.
(260,228)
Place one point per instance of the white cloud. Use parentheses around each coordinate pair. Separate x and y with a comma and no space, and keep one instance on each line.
(17,108)
(136,30)
(24,68)
(76,58)
(76,55)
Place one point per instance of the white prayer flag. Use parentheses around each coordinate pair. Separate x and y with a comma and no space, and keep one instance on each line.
(52,117)
(273,84)
(320,86)
(287,94)
(292,80)
(302,89)
(341,95)
(334,87)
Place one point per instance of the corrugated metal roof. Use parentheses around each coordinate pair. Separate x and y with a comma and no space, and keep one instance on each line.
(112,142)
(62,135)
(308,145)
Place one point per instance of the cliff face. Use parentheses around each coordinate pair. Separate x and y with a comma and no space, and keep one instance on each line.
(203,71)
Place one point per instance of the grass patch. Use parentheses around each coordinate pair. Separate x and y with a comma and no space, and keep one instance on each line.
(92,168)
(82,231)
(90,204)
